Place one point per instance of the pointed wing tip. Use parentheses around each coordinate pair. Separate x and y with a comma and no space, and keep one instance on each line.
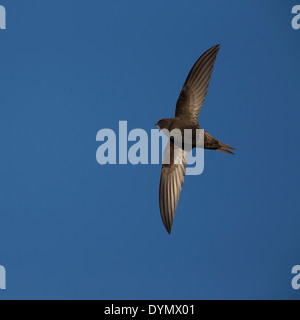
(168,226)
(217,48)
(169,230)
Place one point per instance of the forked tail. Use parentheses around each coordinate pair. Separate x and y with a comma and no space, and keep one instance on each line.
(212,143)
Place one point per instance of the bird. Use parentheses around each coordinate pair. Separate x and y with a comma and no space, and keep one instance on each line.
(188,107)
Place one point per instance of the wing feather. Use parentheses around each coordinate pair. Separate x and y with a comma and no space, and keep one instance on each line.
(195,88)
(171,182)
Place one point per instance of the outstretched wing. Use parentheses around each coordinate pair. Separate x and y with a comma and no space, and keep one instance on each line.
(171,182)
(194,90)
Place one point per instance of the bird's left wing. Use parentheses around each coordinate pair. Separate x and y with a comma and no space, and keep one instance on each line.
(171,182)
(194,90)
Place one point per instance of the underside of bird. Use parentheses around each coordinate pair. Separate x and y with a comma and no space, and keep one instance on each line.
(189,104)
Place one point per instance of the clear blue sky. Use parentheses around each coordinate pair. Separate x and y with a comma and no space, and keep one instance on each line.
(72,229)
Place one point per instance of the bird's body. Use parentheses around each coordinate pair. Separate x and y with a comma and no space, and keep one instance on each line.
(209,141)
(188,106)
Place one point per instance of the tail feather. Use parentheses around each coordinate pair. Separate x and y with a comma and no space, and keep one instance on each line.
(212,143)
(226,146)
(225,150)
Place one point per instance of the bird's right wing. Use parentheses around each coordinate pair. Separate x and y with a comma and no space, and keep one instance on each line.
(194,90)
(171,182)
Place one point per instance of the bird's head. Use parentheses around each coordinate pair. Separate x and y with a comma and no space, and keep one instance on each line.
(163,124)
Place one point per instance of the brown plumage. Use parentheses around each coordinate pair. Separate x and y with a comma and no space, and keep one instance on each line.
(188,106)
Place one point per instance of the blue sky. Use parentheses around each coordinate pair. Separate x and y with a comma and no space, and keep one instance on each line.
(72,229)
